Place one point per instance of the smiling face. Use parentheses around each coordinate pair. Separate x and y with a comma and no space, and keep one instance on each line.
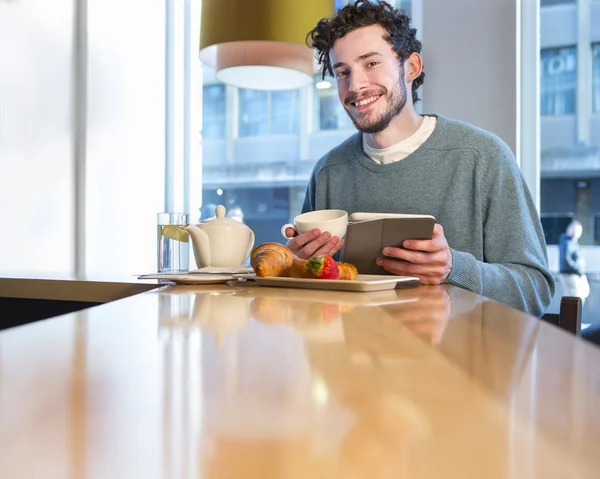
(370,79)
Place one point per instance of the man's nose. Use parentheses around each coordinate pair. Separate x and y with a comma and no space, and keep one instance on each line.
(358,81)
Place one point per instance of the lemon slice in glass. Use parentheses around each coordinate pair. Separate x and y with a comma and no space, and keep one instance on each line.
(175,233)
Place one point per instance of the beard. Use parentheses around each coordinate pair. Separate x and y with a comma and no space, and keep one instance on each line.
(396,101)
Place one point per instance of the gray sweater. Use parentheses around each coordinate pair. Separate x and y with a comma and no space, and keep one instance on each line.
(468,179)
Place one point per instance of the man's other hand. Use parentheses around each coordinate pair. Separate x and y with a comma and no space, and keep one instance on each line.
(428,260)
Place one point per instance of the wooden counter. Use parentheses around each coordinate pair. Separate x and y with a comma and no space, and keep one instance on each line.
(52,288)
(239,381)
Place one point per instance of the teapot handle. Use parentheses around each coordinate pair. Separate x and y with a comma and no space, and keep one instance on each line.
(250,245)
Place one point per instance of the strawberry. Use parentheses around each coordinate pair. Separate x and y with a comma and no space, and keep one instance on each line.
(323,267)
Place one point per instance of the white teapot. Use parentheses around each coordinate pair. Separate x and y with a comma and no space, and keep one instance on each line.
(220,242)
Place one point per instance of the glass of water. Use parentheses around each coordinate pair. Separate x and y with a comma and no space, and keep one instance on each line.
(172,243)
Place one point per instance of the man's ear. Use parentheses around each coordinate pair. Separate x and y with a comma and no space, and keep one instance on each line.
(413,66)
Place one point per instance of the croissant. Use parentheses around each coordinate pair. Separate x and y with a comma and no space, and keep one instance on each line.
(299,269)
(347,271)
(271,259)
(274,259)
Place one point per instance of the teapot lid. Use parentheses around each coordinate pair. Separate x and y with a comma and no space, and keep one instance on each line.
(220,220)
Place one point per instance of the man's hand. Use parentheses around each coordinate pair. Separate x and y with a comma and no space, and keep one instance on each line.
(313,243)
(428,260)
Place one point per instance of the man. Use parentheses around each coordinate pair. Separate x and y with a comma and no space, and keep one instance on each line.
(489,239)
(572,275)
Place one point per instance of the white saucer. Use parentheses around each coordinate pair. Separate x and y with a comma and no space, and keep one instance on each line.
(190,278)
(240,269)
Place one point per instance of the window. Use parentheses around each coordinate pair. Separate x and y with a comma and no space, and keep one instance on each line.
(261,183)
(558,81)
(269,113)
(262,207)
(596,78)
(329,110)
(285,112)
(405,5)
(545,3)
(213,111)
(555,224)
(596,223)
(254,118)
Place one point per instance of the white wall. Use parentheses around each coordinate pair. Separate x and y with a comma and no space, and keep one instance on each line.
(36,157)
(124,163)
(125,135)
(469,54)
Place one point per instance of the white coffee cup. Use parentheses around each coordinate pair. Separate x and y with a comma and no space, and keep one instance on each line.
(334,221)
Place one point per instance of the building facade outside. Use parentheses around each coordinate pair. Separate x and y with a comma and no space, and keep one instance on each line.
(570,123)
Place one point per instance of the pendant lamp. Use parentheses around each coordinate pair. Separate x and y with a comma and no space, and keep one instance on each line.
(261,44)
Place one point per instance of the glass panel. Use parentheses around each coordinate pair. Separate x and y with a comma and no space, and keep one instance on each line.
(545,3)
(260,205)
(36,162)
(558,81)
(596,221)
(596,78)
(554,225)
(569,186)
(261,181)
(254,112)
(213,111)
(285,112)
(405,5)
(330,112)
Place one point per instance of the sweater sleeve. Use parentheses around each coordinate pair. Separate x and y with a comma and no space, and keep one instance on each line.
(514,269)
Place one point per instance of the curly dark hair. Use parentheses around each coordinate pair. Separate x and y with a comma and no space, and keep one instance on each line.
(364,13)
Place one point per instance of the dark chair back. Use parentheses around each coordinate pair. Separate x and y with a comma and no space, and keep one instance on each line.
(569,317)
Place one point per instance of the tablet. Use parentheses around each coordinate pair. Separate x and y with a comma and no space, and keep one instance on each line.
(369,233)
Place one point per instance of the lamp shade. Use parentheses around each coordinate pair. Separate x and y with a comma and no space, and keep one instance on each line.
(261,44)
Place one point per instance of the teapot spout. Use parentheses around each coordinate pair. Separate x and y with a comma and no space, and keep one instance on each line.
(200,245)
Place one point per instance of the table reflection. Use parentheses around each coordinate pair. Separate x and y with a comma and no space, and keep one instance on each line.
(427,317)
(350,386)
(265,411)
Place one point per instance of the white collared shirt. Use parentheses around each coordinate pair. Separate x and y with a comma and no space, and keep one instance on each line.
(401,150)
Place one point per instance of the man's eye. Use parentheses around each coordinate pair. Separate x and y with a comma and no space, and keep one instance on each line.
(341,73)
(372,64)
